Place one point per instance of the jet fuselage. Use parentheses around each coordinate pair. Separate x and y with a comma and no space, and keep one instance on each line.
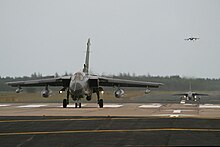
(79,86)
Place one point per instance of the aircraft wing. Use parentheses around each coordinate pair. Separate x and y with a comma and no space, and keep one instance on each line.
(199,94)
(104,81)
(180,94)
(60,81)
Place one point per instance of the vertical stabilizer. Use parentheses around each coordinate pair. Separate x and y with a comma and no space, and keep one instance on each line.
(86,64)
(190,87)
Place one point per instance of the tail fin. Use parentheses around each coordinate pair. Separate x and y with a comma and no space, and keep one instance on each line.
(86,65)
(190,87)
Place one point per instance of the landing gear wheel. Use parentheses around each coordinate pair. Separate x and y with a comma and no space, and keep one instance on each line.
(64,103)
(80,106)
(100,103)
(76,104)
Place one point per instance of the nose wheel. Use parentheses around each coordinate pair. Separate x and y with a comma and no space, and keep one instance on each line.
(78,104)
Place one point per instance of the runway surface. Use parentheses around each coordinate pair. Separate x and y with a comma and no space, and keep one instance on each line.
(117,124)
(112,109)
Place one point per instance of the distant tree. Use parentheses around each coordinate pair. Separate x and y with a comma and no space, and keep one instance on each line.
(66,74)
(133,74)
(34,75)
(39,75)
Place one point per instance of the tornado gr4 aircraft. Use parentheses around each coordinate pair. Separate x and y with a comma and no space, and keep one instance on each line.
(190,96)
(83,85)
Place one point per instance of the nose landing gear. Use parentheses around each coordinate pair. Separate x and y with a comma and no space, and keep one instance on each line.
(78,105)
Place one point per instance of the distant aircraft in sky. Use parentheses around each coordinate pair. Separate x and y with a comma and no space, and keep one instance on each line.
(190,96)
(191,39)
(83,85)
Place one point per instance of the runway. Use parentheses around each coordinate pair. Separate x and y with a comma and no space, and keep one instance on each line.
(117,124)
(113,109)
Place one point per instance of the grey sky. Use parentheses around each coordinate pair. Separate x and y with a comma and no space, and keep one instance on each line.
(135,36)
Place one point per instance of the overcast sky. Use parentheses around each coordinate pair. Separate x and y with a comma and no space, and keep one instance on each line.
(135,36)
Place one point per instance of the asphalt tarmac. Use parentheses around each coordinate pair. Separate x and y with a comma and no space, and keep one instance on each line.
(138,124)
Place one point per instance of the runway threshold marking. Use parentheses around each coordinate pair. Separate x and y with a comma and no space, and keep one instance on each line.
(31,106)
(155,105)
(209,106)
(176,111)
(112,106)
(182,102)
(5,105)
(109,131)
(174,115)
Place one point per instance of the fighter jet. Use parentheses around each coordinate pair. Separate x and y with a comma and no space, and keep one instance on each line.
(191,39)
(83,85)
(190,96)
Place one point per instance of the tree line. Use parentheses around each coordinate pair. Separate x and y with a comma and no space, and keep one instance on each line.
(171,83)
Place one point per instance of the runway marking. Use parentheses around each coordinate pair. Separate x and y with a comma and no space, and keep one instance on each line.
(109,131)
(190,104)
(5,105)
(31,106)
(174,115)
(155,105)
(209,106)
(180,110)
(112,106)
(182,102)
(176,111)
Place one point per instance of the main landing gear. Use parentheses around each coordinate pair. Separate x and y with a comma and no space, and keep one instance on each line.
(66,101)
(100,101)
(78,104)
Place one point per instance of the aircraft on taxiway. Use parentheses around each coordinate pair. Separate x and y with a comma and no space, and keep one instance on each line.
(190,95)
(83,85)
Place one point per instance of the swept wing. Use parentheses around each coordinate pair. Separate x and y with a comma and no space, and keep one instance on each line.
(59,81)
(104,81)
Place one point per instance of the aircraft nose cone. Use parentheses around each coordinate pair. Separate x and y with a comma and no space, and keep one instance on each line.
(77,89)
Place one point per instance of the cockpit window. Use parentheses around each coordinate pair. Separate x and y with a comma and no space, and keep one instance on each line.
(78,76)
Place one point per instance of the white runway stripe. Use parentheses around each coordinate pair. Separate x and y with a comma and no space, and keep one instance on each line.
(112,106)
(209,106)
(31,106)
(155,105)
(4,105)
(182,102)
(190,104)
(174,115)
(176,111)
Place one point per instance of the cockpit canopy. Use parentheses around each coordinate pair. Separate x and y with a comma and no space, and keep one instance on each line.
(78,76)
